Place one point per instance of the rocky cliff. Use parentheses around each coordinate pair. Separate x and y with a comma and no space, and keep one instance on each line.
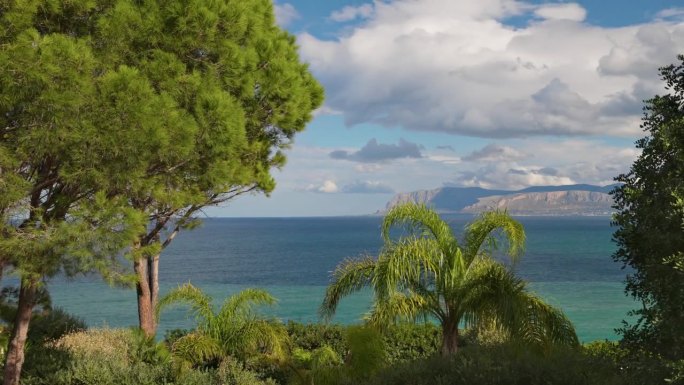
(547,203)
(537,200)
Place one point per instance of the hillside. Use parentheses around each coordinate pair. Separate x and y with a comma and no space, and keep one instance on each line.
(538,200)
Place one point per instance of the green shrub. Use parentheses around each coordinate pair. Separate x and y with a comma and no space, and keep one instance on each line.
(234,373)
(366,351)
(507,364)
(403,342)
(313,336)
(128,356)
(635,367)
(41,360)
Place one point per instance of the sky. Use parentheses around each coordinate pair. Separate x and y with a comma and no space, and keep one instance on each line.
(504,94)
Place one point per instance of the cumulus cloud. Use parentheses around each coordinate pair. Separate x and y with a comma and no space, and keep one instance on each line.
(566,11)
(327,187)
(367,187)
(285,14)
(367,168)
(671,13)
(499,176)
(349,13)
(495,153)
(374,152)
(457,67)
(566,162)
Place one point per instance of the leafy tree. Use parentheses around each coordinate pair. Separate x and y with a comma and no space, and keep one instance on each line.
(231,93)
(235,330)
(427,273)
(60,162)
(650,220)
(202,96)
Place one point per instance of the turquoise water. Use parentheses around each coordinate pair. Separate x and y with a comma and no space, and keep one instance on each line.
(567,261)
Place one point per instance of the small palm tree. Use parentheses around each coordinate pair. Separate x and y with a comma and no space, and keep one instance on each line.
(235,330)
(427,274)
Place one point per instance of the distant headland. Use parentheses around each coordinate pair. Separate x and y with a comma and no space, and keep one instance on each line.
(579,199)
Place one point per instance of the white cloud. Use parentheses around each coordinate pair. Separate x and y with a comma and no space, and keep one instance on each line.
(456,67)
(565,11)
(327,187)
(495,153)
(367,187)
(285,14)
(374,152)
(367,168)
(565,162)
(326,110)
(501,176)
(350,13)
(671,13)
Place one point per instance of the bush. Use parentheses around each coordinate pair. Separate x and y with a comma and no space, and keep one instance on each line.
(507,364)
(127,356)
(42,361)
(313,336)
(403,342)
(635,367)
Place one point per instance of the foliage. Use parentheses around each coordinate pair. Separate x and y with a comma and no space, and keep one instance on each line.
(366,352)
(366,355)
(634,366)
(172,105)
(650,220)
(406,341)
(427,274)
(403,341)
(508,364)
(235,330)
(123,356)
(233,373)
(309,337)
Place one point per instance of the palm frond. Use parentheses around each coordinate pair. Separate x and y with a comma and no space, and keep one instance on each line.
(406,263)
(488,290)
(242,304)
(349,276)
(200,303)
(542,324)
(493,294)
(481,232)
(266,337)
(422,221)
(404,306)
(196,348)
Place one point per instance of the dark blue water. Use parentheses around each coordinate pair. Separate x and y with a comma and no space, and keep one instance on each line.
(567,261)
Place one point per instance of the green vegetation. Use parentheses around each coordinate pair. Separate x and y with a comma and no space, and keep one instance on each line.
(650,234)
(234,332)
(121,120)
(427,273)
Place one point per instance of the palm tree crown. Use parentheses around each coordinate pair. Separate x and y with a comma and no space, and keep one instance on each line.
(426,274)
(235,330)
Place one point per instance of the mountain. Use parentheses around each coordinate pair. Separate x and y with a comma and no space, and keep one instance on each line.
(581,199)
(547,203)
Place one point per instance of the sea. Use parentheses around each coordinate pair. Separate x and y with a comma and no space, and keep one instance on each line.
(567,261)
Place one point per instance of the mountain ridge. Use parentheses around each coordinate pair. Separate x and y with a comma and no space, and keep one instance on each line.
(535,200)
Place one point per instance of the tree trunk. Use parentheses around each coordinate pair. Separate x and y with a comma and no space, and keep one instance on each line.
(15,352)
(147,288)
(449,338)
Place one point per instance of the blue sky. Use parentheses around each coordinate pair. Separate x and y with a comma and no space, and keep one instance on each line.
(491,93)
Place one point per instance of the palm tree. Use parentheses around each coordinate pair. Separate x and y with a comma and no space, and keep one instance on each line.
(235,330)
(427,274)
